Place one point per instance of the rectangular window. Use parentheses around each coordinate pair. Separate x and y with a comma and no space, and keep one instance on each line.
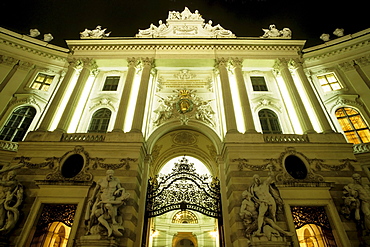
(329,82)
(111,83)
(258,83)
(42,82)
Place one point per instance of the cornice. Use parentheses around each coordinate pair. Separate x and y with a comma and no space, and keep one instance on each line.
(204,47)
(33,49)
(338,49)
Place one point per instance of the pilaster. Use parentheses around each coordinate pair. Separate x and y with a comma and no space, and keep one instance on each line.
(55,103)
(230,120)
(321,117)
(88,66)
(243,95)
(282,65)
(125,96)
(137,122)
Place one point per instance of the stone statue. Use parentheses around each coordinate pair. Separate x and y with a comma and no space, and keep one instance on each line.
(339,32)
(11,197)
(325,37)
(97,33)
(356,198)
(48,37)
(273,33)
(103,216)
(34,32)
(259,207)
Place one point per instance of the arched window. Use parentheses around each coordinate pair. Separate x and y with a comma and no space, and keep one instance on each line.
(100,120)
(353,125)
(17,125)
(269,122)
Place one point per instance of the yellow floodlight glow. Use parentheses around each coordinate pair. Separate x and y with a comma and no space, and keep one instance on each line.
(239,118)
(132,103)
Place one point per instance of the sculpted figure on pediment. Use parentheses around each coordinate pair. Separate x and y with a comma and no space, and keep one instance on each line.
(273,32)
(97,33)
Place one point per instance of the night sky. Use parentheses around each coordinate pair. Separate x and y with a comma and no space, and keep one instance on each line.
(65,19)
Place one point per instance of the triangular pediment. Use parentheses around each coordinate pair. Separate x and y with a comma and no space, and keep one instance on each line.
(185,24)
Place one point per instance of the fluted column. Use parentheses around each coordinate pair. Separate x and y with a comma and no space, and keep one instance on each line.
(125,96)
(55,103)
(69,110)
(321,117)
(137,122)
(226,96)
(304,119)
(243,96)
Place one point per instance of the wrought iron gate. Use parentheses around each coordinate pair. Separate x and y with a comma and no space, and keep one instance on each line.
(183,189)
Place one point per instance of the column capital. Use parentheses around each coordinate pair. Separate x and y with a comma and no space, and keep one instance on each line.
(295,63)
(363,61)
(147,61)
(281,63)
(236,62)
(221,62)
(132,61)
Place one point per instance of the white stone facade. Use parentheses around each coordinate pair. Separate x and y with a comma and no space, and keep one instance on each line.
(179,95)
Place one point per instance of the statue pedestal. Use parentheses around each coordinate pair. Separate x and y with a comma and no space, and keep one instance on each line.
(274,242)
(4,242)
(97,241)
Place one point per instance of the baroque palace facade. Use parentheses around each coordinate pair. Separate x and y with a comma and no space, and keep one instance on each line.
(184,135)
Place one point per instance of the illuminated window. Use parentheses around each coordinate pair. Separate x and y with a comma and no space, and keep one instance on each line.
(353,126)
(329,82)
(185,217)
(269,122)
(312,227)
(18,123)
(111,83)
(258,83)
(100,120)
(42,82)
(54,225)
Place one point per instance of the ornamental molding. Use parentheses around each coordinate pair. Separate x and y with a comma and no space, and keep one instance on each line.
(185,24)
(33,51)
(336,52)
(195,47)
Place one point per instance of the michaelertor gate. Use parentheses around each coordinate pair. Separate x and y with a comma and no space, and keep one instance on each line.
(184,189)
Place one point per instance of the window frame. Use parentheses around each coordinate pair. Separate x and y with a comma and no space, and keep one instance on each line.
(269,122)
(13,119)
(108,87)
(259,86)
(99,121)
(42,83)
(329,84)
(351,124)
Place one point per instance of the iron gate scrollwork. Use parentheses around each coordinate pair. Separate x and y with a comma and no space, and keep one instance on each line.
(184,189)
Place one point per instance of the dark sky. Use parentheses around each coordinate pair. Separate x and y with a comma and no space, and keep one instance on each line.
(65,19)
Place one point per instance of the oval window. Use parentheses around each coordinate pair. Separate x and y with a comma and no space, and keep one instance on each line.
(295,167)
(72,166)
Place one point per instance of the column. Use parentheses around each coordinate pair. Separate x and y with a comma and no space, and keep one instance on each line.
(88,65)
(137,122)
(55,103)
(304,119)
(226,96)
(125,96)
(243,95)
(321,117)
(9,76)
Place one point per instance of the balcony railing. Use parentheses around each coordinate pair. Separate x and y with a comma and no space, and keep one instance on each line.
(361,148)
(84,137)
(8,146)
(285,138)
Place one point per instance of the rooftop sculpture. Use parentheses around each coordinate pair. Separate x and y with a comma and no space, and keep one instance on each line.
(97,33)
(184,24)
(274,33)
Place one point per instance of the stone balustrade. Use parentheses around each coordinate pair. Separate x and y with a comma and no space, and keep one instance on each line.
(285,138)
(83,137)
(361,148)
(8,146)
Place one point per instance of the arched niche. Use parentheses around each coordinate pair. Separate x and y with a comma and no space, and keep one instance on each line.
(180,142)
